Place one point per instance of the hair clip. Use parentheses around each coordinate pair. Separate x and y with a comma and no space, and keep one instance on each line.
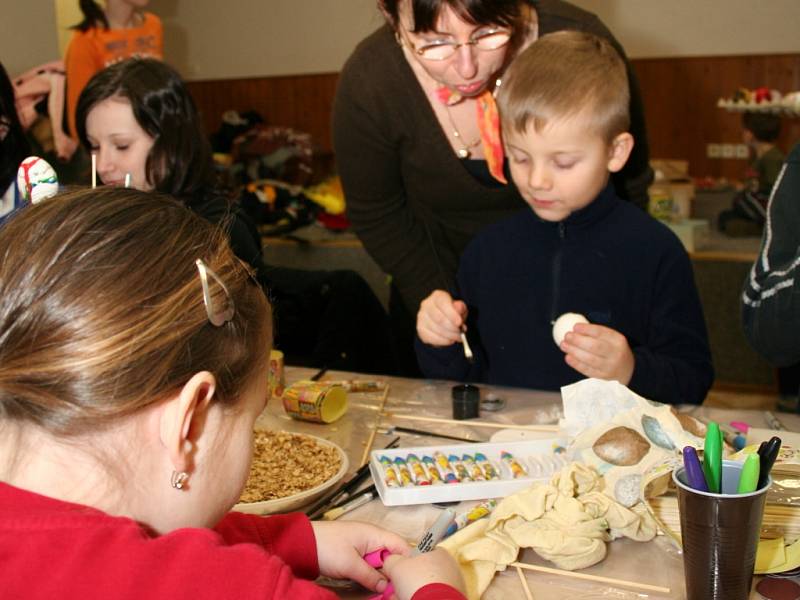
(221,317)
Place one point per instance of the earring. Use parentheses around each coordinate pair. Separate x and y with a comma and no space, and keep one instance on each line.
(179,479)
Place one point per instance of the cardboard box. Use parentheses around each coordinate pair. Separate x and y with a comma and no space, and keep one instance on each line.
(670,169)
(693,233)
(673,176)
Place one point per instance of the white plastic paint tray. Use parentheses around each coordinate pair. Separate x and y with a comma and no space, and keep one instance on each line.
(542,458)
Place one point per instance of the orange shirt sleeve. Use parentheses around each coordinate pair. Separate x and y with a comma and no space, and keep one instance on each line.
(82,62)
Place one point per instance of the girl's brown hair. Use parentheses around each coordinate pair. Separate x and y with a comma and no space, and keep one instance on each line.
(180,162)
(564,74)
(102,312)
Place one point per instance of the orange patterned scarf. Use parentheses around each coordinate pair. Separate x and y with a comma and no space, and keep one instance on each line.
(488,125)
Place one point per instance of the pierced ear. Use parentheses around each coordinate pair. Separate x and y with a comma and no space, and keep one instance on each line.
(621,147)
(183,410)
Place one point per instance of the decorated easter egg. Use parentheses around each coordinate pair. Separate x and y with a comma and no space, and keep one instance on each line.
(654,432)
(621,446)
(36,179)
(564,325)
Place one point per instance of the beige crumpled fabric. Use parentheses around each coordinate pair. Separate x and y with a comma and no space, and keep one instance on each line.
(567,521)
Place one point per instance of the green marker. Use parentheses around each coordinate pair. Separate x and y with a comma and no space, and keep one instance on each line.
(750,472)
(712,457)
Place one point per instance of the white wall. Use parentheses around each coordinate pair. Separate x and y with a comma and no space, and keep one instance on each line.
(663,28)
(210,39)
(27,34)
(274,37)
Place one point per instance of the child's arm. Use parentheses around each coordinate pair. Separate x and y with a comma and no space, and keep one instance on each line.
(438,346)
(289,537)
(771,297)
(670,361)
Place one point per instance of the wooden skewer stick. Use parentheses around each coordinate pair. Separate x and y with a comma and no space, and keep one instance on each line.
(598,578)
(524,583)
(371,439)
(471,423)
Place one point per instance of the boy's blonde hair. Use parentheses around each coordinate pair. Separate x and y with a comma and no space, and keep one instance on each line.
(102,310)
(566,74)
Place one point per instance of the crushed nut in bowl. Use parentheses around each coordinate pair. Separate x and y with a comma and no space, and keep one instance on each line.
(290,470)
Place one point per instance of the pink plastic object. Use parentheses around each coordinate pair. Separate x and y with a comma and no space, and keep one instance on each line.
(740,425)
(375,560)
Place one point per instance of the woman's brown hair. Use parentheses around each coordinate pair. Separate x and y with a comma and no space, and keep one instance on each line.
(425,13)
(102,311)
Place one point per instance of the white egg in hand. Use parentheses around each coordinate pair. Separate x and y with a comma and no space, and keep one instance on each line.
(564,325)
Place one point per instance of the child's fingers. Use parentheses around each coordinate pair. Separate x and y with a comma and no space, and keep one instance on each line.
(437,334)
(581,367)
(450,311)
(367,576)
(392,542)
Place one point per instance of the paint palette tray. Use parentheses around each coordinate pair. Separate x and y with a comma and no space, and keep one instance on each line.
(405,475)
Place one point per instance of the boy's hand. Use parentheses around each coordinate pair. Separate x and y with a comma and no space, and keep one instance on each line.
(341,546)
(410,574)
(598,351)
(440,319)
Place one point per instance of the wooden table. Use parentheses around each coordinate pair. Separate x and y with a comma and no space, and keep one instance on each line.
(655,563)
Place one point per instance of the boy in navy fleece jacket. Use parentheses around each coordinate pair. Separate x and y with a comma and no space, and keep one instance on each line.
(564,109)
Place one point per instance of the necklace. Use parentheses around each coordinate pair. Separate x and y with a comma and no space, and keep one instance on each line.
(466,147)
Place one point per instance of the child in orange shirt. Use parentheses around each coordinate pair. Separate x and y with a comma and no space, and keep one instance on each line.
(105,37)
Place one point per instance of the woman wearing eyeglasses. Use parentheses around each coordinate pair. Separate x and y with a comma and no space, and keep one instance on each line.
(417,139)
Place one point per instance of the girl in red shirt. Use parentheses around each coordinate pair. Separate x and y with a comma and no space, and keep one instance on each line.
(133,364)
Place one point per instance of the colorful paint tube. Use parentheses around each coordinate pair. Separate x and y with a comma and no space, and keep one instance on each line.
(474,514)
(417,470)
(459,468)
(474,470)
(445,470)
(517,470)
(433,473)
(488,468)
(402,469)
(389,474)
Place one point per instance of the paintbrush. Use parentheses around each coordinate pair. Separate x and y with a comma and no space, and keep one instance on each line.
(429,434)
(346,490)
(454,292)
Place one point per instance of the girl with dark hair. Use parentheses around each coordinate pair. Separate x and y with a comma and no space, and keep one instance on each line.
(417,141)
(140,120)
(106,36)
(14,147)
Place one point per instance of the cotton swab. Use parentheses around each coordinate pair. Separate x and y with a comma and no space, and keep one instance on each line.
(94,171)
(127,180)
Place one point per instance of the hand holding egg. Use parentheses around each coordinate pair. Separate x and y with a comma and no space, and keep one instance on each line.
(597,351)
(564,325)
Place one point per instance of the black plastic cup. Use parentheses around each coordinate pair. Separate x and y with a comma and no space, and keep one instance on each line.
(466,401)
(720,535)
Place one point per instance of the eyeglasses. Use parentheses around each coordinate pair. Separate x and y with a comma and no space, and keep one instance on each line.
(486,40)
(222,316)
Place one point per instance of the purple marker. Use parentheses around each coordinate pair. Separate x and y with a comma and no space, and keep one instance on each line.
(694,472)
